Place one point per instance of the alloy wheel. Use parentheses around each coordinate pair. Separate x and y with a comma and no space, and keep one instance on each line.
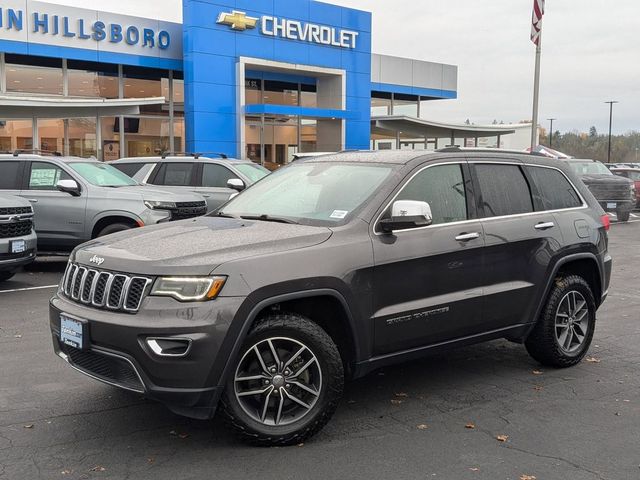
(572,322)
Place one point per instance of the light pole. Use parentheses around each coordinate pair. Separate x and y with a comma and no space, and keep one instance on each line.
(551,132)
(610,102)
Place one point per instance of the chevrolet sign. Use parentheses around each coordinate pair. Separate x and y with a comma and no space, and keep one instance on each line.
(291,29)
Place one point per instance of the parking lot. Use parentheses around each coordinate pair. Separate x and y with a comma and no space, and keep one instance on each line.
(483,412)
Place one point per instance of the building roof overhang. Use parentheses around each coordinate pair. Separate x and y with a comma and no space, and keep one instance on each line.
(27,106)
(411,126)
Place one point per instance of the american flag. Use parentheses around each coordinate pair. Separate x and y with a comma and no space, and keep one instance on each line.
(536,21)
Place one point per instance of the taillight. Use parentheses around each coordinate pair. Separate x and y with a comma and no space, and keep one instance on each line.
(606,222)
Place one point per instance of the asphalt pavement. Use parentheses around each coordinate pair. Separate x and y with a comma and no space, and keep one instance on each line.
(483,412)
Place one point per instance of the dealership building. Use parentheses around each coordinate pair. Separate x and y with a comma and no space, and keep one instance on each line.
(257,79)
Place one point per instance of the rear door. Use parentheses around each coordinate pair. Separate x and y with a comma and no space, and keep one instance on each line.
(212,184)
(59,217)
(521,241)
(428,281)
(175,174)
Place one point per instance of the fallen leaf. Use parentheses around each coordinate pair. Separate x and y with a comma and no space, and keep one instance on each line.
(151,460)
(66,472)
(538,388)
(98,468)
(401,395)
(474,469)
(173,433)
(527,477)
(17,336)
(593,360)
(470,426)
(397,402)
(617,414)
(29,426)
(537,372)
(422,426)
(502,438)
(351,402)
(183,436)
(301,444)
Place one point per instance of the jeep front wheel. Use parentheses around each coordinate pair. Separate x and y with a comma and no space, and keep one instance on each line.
(286,383)
(564,331)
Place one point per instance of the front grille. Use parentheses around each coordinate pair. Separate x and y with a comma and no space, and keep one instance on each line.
(604,191)
(104,290)
(16,229)
(108,368)
(15,210)
(186,210)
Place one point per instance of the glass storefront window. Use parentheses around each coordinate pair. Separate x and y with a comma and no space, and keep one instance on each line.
(16,135)
(280,93)
(89,79)
(380,104)
(308,96)
(178,135)
(51,134)
(252,91)
(143,82)
(110,139)
(28,74)
(308,135)
(82,137)
(406,105)
(178,94)
(146,137)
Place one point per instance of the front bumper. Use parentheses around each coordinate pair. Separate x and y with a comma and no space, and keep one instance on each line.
(118,352)
(10,262)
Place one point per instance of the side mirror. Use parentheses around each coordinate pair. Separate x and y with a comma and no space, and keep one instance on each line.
(69,186)
(236,184)
(407,214)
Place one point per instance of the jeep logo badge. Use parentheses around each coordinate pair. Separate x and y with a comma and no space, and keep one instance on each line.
(97,260)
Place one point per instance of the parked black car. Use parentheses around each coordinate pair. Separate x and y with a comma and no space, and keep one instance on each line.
(329,269)
(614,193)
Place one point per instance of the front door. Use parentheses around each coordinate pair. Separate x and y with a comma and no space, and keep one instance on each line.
(213,185)
(59,217)
(428,281)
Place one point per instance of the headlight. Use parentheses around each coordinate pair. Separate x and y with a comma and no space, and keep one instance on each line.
(188,289)
(159,205)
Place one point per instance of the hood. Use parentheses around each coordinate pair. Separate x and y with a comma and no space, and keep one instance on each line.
(11,201)
(600,178)
(157,194)
(197,246)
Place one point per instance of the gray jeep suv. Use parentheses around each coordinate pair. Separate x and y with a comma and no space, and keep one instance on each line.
(216,179)
(17,237)
(330,268)
(77,199)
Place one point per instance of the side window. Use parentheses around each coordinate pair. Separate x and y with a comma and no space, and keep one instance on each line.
(10,178)
(175,174)
(216,175)
(129,168)
(504,190)
(45,176)
(442,187)
(556,191)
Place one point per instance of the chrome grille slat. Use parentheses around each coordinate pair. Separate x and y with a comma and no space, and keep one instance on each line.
(104,290)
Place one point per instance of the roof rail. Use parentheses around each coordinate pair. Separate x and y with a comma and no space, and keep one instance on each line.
(34,151)
(194,155)
(485,150)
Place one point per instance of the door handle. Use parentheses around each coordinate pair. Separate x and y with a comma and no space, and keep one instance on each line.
(544,225)
(465,237)
(33,200)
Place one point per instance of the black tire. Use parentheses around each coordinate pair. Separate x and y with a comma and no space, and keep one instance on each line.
(543,343)
(114,228)
(623,215)
(4,276)
(320,345)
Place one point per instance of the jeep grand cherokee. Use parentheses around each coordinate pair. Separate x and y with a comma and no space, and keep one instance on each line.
(333,267)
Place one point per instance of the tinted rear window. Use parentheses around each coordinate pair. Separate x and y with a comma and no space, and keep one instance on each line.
(128,168)
(555,190)
(9,180)
(504,190)
(175,174)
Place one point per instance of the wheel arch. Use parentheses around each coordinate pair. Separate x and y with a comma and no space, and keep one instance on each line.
(109,218)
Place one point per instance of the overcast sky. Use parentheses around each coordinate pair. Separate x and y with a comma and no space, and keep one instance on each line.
(591,53)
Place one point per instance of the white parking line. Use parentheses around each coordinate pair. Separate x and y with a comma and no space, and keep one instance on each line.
(29,288)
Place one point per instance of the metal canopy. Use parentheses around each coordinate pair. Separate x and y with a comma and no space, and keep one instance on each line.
(27,106)
(411,126)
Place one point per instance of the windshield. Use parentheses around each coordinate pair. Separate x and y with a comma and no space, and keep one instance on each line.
(252,171)
(310,193)
(102,175)
(588,168)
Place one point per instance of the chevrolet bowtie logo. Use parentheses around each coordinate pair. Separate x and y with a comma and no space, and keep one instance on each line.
(237,20)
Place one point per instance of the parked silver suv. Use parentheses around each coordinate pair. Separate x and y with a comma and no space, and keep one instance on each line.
(216,179)
(78,199)
(17,237)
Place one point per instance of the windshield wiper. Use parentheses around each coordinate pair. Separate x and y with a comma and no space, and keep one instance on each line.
(267,218)
(225,215)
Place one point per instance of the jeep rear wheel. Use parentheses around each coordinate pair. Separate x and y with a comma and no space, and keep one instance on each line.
(286,383)
(564,332)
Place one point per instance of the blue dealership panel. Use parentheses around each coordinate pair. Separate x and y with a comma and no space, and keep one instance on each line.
(212,52)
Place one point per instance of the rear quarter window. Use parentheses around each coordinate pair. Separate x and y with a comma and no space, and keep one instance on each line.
(10,178)
(555,191)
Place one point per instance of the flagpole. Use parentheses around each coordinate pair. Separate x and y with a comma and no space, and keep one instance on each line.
(536,94)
